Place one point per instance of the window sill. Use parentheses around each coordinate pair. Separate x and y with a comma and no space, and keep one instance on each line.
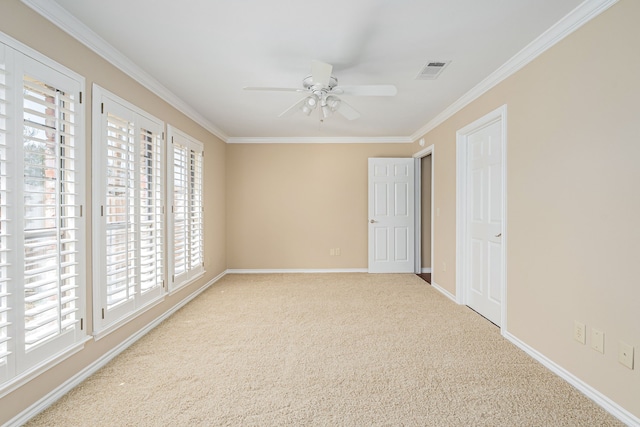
(23,378)
(98,335)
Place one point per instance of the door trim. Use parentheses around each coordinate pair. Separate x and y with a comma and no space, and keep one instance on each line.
(499,114)
(428,151)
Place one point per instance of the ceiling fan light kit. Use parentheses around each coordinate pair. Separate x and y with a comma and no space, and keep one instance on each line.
(322,89)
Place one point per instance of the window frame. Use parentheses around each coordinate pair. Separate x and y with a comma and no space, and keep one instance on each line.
(191,273)
(22,365)
(107,320)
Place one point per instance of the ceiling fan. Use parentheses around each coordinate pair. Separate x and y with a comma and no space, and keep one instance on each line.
(322,90)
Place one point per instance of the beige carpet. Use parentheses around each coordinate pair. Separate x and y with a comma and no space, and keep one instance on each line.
(324,350)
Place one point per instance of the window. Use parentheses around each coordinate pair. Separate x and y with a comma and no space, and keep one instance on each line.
(186,157)
(128,211)
(42,276)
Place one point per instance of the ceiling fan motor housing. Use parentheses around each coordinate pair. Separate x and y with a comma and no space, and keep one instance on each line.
(309,84)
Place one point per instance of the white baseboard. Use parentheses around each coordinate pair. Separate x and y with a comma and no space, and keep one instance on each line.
(294,270)
(426,270)
(593,394)
(444,292)
(65,387)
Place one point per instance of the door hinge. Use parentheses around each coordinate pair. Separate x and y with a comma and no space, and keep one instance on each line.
(102,210)
(80,211)
(80,97)
(102,107)
(81,324)
(163,136)
(173,278)
(163,284)
(103,313)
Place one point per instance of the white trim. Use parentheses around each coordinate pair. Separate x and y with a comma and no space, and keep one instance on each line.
(68,23)
(579,16)
(426,270)
(444,292)
(499,114)
(294,270)
(318,140)
(417,217)
(606,403)
(85,373)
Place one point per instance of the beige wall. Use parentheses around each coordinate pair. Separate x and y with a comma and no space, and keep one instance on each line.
(573,199)
(289,204)
(425,165)
(19,22)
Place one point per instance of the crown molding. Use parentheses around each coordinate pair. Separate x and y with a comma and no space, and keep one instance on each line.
(582,14)
(68,23)
(320,140)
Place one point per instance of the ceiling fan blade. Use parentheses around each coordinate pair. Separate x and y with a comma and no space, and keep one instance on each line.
(348,111)
(321,73)
(279,89)
(366,90)
(295,107)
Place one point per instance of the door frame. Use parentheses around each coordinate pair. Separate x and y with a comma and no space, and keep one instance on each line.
(462,135)
(430,150)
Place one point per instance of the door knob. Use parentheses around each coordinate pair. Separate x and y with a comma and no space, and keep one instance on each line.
(372,221)
(499,234)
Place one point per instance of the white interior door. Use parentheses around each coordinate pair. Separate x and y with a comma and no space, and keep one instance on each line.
(391,215)
(484,270)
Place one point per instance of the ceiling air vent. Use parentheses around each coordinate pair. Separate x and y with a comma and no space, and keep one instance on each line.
(432,70)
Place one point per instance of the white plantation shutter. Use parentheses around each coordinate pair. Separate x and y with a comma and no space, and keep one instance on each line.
(196,208)
(5,336)
(180,208)
(51,213)
(186,221)
(128,250)
(151,211)
(41,225)
(118,211)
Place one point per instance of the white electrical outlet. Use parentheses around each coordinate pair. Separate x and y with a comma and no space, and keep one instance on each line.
(579,332)
(597,340)
(625,354)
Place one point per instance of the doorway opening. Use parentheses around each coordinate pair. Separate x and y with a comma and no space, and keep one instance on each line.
(424,213)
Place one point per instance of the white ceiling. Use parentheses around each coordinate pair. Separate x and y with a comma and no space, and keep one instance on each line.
(206,51)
